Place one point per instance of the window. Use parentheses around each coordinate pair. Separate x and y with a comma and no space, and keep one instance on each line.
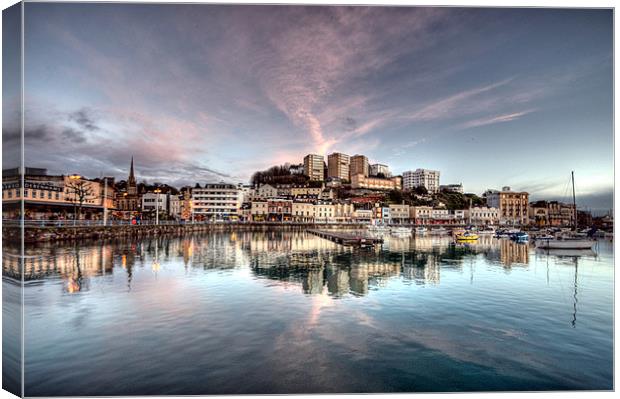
(25,193)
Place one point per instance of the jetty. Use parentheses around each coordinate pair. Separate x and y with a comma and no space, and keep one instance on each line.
(347,238)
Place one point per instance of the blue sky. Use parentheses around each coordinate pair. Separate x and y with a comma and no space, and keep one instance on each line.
(197,93)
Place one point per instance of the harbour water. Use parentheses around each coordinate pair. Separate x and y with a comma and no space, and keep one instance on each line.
(289,312)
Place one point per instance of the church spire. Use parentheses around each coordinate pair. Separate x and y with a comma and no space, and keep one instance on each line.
(132,188)
(131,176)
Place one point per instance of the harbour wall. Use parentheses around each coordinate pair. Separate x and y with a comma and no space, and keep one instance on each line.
(67,233)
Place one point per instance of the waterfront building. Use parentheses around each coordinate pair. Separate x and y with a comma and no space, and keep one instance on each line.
(279,210)
(247,191)
(324,212)
(379,169)
(362,215)
(399,213)
(259,211)
(452,188)
(359,181)
(429,179)
(482,215)
(185,203)
(217,201)
(458,215)
(303,212)
(420,214)
(174,206)
(338,166)
(152,201)
(343,212)
(314,167)
(440,215)
(358,166)
(55,196)
(513,206)
(551,214)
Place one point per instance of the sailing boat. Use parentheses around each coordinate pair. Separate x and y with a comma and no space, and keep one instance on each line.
(567,241)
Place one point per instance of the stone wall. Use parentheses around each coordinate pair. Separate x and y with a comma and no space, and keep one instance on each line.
(43,234)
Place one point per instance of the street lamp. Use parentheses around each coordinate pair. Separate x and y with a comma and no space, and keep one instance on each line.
(191,207)
(105,197)
(157,191)
(74,177)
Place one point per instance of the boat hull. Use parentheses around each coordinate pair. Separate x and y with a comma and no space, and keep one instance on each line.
(565,244)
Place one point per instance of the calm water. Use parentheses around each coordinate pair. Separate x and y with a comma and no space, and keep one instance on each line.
(286,312)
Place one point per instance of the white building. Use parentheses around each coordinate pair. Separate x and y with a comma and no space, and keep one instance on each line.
(399,213)
(440,214)
(483,215)
(219,201)
(426,178)
(377,168)
(174,206)
(296,169)
(267,191)
(452,188)
(150,199)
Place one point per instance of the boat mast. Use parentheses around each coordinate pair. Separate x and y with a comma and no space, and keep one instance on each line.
(572,176)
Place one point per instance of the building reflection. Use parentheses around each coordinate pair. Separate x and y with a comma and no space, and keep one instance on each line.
(292,257)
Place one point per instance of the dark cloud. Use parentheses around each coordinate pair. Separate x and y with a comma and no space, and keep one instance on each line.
(84,118)
(73,135)
(350,124)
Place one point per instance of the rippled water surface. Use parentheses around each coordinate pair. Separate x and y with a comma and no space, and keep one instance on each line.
(285,312)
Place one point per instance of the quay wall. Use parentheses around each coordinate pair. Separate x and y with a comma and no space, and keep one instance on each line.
(65,233)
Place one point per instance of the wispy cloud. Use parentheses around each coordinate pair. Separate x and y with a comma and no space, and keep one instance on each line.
(453,105)
(495,119)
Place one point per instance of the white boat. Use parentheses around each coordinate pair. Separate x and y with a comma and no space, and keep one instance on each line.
(377,228)
(400,230)
(545,237)
(574,240)
(566,243)
(420,230)
(439,230)
(486,230)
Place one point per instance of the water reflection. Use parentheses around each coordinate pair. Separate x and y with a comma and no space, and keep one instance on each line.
(207,311)
(294,257)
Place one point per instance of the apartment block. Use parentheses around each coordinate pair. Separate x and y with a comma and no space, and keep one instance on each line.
(426,178)
(358,166)
(314,167)
(338,166)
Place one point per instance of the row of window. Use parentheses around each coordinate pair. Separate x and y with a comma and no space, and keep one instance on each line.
(35,194)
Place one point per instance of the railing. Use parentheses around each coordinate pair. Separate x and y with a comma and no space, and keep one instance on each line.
(96,223)
(83,223)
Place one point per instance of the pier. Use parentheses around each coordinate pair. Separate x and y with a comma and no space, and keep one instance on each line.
(347,239)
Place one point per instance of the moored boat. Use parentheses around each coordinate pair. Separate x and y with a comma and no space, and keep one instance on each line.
(520,236)
(466,236)
(566,243)
(401,231)
(439,230)
(420,230)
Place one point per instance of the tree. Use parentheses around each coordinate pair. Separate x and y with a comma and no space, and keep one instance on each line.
(396,196)
(420,190)
(82,191)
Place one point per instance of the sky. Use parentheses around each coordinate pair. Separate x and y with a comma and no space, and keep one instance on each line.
(207,93)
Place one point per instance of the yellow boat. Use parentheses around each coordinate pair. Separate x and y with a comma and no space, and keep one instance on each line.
(467,236)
